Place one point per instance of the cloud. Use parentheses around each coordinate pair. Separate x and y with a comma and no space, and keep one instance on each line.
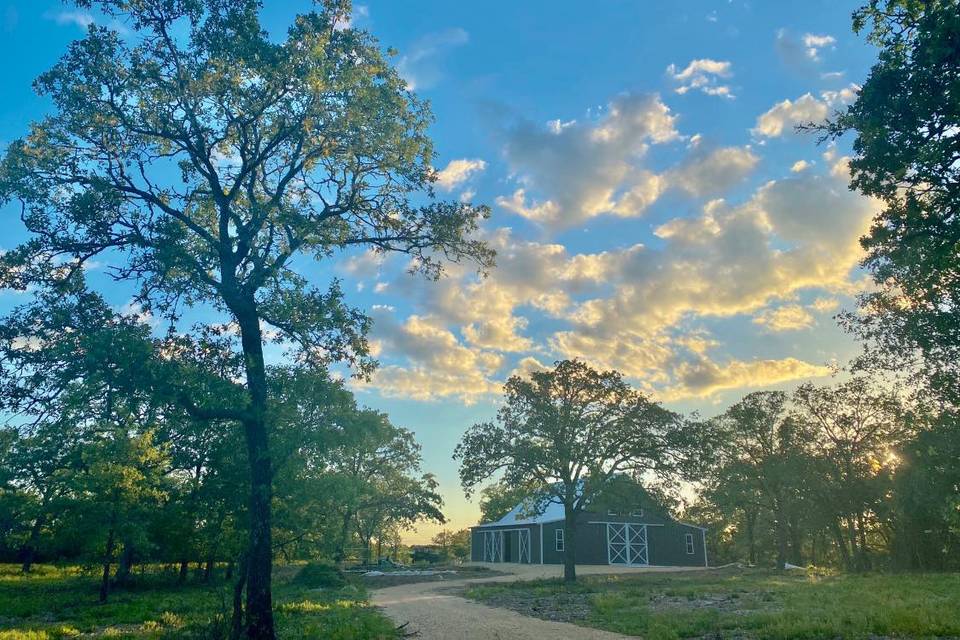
(713,172)
(459,171)
(588,168)
(785,115)
(799,166)
(802,52)
(815,43)
(786,318)
(358,14)
(702,75)
(642,308)
(421,65)
(80,19)
(440,366)
(704,378)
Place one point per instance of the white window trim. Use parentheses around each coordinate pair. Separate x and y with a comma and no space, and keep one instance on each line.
(689,540)
(558,542)
(612,512)
(636,513)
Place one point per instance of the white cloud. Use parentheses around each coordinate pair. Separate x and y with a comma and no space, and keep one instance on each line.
(588,168)
(81,19)
(421,65)
(440,366)
(791,317)
(713,172)
(800,165)
(459,171)
(785,115)
(702,75)
(704,378)
(815,43)
(802,52)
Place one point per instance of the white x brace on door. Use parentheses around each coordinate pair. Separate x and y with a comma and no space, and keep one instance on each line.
(627,544)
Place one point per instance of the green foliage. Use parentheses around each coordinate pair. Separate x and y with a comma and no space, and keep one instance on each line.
(905,121)
(52,603)
(568,431)
(320,575)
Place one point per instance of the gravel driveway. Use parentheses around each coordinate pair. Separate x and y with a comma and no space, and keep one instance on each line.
(434,612)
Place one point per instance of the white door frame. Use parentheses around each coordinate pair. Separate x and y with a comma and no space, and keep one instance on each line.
(493,545)
(627,544)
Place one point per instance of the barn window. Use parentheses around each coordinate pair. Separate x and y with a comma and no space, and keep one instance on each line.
(689,537)
(612,512)
(559,539)
(636,513)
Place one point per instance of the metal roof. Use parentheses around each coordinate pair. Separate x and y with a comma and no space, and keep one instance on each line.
(518,515)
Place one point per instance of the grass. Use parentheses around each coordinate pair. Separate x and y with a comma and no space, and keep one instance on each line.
(744,604)
(53,603)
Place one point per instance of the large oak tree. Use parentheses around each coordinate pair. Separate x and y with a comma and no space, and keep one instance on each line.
(198,157)
(568,431)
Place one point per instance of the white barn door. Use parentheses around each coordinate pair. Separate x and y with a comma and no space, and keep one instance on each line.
(627,544)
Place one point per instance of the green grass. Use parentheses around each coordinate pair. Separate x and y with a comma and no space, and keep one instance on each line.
(53,603)
(751,604)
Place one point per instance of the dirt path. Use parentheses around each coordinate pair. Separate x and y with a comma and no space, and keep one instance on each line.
(435,612)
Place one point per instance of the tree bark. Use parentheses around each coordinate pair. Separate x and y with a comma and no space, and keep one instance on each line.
(864,551)
(184,569)
(344,534)
(259,614)
(752,537)
(569,544)
(107,561)
(126,563)
(30,548)
(781,538)
(236,623)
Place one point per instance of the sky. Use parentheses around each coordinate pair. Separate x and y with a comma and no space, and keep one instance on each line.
(653,208)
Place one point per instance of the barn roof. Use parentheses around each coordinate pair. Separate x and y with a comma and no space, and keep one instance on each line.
(520,515)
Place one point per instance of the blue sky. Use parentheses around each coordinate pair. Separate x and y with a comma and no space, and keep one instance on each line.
(653,209)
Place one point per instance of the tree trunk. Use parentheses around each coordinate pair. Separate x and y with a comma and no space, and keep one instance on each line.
(184,569)
(796,541)
(259,614)
(864,550)
(781,538)
(208,568)
(126,563)
(752,537)
(569,544)
(841,544)
(236,623)
(344,534)
(107,561)
(30,548)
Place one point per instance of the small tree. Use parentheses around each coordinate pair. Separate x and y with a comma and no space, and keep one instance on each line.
(570,430)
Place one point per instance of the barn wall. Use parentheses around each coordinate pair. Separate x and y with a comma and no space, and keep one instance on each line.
(511,543)
(666,545)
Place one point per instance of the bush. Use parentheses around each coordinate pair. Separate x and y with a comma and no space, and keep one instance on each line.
(320,575)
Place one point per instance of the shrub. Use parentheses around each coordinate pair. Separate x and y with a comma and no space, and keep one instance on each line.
(320,575)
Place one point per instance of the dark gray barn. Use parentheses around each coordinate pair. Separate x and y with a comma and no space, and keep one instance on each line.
(632,537)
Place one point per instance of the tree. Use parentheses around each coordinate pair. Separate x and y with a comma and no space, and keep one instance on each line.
(906,153)
(762,460)
(570,430)
(200,157)
(855,430)
(496,500)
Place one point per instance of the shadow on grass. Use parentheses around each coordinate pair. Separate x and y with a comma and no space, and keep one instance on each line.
(53,603)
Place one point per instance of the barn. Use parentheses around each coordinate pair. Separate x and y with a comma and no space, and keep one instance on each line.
(635,536)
